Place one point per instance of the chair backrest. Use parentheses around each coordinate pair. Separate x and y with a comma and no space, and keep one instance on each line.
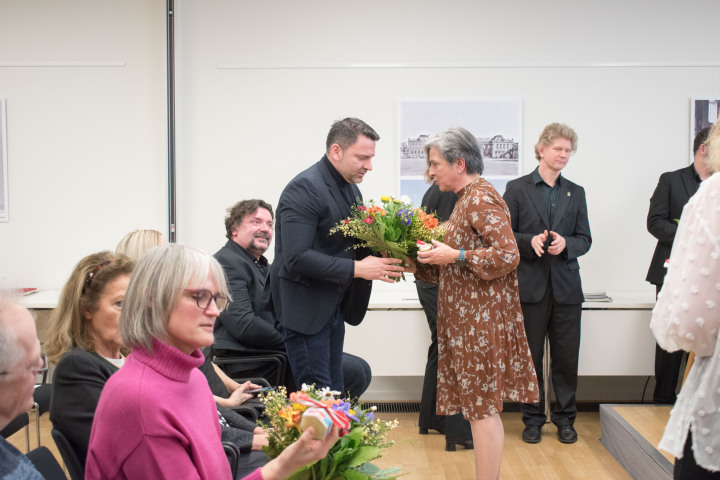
(46,464)
(19,422)
(74,464)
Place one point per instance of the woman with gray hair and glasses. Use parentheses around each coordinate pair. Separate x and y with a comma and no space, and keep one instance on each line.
(483,354)
(155,415)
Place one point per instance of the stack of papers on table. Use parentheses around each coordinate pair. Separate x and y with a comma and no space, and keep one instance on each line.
(596,297)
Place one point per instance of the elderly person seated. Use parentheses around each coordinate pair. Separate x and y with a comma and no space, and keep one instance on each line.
(84,340)
(20,362)
(160,398)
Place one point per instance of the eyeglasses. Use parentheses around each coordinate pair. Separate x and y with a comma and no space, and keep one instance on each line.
(92,273)
(36,371)
(204,297)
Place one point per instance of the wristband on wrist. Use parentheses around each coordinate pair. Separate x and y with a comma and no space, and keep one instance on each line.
(461,257)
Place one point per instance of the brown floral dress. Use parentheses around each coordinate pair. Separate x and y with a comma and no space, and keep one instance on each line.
(483,352)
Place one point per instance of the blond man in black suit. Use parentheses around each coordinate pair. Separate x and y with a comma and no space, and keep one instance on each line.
(549,218)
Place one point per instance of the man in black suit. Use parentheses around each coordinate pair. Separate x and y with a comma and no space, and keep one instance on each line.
(673,191)
(549,217)
(319,281)
(247,326)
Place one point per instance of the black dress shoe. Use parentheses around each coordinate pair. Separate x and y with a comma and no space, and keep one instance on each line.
(425,431)
(450,445)
(532,434)
(567,434)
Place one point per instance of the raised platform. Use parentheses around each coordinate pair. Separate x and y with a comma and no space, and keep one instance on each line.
(631,433)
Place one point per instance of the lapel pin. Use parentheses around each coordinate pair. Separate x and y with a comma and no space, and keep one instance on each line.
(569,194)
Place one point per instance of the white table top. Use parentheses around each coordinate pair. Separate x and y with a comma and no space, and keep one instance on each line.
(401,296)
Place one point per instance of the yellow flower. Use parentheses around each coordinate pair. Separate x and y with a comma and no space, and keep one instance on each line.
(291,416)
(385,198)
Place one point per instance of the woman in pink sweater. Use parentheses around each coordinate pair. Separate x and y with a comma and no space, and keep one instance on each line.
(156,417)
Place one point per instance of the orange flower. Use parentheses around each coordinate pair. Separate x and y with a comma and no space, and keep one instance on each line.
(291,416)
(375,209)
(430,222)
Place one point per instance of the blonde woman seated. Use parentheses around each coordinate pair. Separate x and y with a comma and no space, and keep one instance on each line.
(84,341)
(154,414)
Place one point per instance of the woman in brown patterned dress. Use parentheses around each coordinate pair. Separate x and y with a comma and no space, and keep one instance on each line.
(483,353)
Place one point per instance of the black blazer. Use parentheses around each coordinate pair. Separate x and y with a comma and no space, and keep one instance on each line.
(528,216)
(312,272)
(673,191)
(77,384)
(248,324)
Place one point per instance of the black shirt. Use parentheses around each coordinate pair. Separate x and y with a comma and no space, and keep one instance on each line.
(550,194)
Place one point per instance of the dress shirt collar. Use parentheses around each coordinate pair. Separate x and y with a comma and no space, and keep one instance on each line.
(537,178)
(260,262)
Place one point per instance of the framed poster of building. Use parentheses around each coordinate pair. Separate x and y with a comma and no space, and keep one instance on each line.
(495,122)
(3,164)
(703,112)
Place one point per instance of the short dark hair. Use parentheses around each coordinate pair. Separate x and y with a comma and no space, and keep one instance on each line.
(345,133)
(237,212)
(701,137)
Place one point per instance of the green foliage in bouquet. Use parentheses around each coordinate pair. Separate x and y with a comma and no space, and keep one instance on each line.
(351,455)
(393,228)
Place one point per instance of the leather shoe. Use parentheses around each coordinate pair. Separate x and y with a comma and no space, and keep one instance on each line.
(450,445)
(425,431)
(532,434)
(567,434)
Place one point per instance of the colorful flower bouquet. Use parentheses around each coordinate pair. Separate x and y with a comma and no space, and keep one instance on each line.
(393,227)
(362,436)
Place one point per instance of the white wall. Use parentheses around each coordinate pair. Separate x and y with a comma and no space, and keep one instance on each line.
(261,82)
(85,87)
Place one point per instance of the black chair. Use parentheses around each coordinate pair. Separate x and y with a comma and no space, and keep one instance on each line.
(45,463)
(278,360)
(232,453)
(74,464)
(41,404)
(17,424)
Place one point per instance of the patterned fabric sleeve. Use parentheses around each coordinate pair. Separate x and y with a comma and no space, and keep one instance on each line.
(498,253)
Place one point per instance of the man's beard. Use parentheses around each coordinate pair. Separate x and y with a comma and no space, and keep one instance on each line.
(257,249)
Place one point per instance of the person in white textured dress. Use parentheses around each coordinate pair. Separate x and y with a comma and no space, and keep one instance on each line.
(687,317)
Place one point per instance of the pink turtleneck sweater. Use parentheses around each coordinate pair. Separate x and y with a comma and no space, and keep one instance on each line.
(157,419)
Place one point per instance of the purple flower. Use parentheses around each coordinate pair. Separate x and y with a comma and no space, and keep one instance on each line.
(345,408)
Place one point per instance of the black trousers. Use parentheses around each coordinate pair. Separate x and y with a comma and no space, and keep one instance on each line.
(561,324)
(356,372)
(687,469)
(667,371)
(455,427)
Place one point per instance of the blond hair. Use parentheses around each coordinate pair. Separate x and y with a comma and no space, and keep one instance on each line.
(134,244)
(553,132)
(713,145)
(68,326)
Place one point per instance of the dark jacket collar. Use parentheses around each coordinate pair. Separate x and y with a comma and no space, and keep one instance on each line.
(232,245)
